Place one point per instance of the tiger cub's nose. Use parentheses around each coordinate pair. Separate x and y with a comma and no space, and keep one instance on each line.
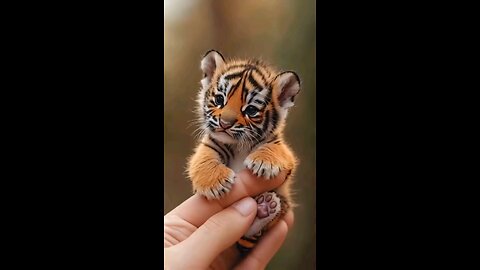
(226,124)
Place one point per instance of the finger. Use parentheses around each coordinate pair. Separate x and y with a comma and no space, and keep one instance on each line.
(230,256)
(289,219)
(218,233)
(197,209)
(268,246)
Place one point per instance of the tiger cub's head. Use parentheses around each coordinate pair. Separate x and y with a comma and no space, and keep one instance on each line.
(244,101)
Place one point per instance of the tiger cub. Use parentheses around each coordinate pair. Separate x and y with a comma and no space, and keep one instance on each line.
(242,107)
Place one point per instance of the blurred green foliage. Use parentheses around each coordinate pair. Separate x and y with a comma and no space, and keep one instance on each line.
(279,32)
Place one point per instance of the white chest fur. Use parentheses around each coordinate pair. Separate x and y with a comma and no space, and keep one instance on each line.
(237,163)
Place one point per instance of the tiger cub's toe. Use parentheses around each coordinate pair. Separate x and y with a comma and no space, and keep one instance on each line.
(262,168)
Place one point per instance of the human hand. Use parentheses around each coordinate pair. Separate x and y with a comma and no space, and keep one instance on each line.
(201,234)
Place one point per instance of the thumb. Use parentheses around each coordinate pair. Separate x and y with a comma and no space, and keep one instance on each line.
(220,232)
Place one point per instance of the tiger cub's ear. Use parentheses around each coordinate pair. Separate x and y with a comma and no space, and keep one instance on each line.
(211,62)
(288,86)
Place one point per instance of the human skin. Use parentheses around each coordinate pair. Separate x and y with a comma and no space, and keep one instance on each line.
(201,233)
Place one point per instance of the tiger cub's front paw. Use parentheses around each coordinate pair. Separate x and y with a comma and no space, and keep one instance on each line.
(214,184)
(262,166)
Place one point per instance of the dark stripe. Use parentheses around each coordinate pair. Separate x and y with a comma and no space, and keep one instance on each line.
(221,148)
(229,148)
(251,240)
(267,121)
(234,88)
(258,132)
(257,129)
(219,153)
(234,75)
(244,89)
(261,76)
(274,118)
(254,93)
(254,82)
(250,67)
(264,102)
(273,138)
(237,66)
(212,123)
(254,68)
(260,102)
(224,187)
(209,112)
(222,89)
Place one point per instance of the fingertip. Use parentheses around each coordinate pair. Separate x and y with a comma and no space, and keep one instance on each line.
(245,175)
(283,227)
(246,206)
(247,185)
(289,219)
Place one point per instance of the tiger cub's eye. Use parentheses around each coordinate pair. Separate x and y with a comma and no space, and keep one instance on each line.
(251,111)
(219,100)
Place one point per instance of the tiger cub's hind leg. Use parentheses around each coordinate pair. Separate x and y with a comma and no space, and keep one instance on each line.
(271,207)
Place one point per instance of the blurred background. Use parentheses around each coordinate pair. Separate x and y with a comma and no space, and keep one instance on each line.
(283,34)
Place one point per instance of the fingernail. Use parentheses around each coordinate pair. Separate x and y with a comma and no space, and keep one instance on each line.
(245,206)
